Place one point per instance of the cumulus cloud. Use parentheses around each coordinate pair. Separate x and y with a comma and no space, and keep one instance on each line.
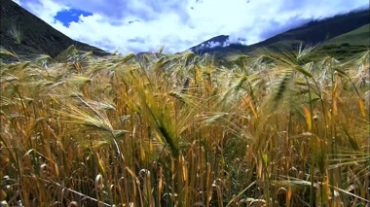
(147,25)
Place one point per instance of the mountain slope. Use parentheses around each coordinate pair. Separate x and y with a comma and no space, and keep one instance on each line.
(312,33)
(27,36)
(359,36)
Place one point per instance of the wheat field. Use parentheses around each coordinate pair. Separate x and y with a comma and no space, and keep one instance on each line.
(183,130)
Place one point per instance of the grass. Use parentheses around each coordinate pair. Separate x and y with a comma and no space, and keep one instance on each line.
(179,130)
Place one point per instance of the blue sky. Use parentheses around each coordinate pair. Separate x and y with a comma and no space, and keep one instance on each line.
(67,16)
(147,25)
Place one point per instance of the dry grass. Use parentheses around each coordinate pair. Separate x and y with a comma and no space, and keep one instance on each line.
(182,131)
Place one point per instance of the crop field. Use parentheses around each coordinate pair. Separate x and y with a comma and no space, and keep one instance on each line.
(274,129)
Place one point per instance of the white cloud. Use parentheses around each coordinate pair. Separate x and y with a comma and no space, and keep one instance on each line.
(146,25)
(46,10)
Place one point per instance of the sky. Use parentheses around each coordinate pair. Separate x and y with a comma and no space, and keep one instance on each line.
(176,25)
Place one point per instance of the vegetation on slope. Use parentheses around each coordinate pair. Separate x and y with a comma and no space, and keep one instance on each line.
(182,131)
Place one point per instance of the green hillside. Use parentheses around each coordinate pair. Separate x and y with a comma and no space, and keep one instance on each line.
(346,46)
(359,36)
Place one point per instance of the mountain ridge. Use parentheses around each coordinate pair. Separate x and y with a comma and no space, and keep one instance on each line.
(28,36)
(314,32)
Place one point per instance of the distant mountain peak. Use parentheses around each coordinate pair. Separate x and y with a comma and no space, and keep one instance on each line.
(220,41)
(314,32)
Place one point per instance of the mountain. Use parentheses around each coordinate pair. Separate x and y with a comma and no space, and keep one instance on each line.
(350,29)
(27,36)
(359,36)
(218,41)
